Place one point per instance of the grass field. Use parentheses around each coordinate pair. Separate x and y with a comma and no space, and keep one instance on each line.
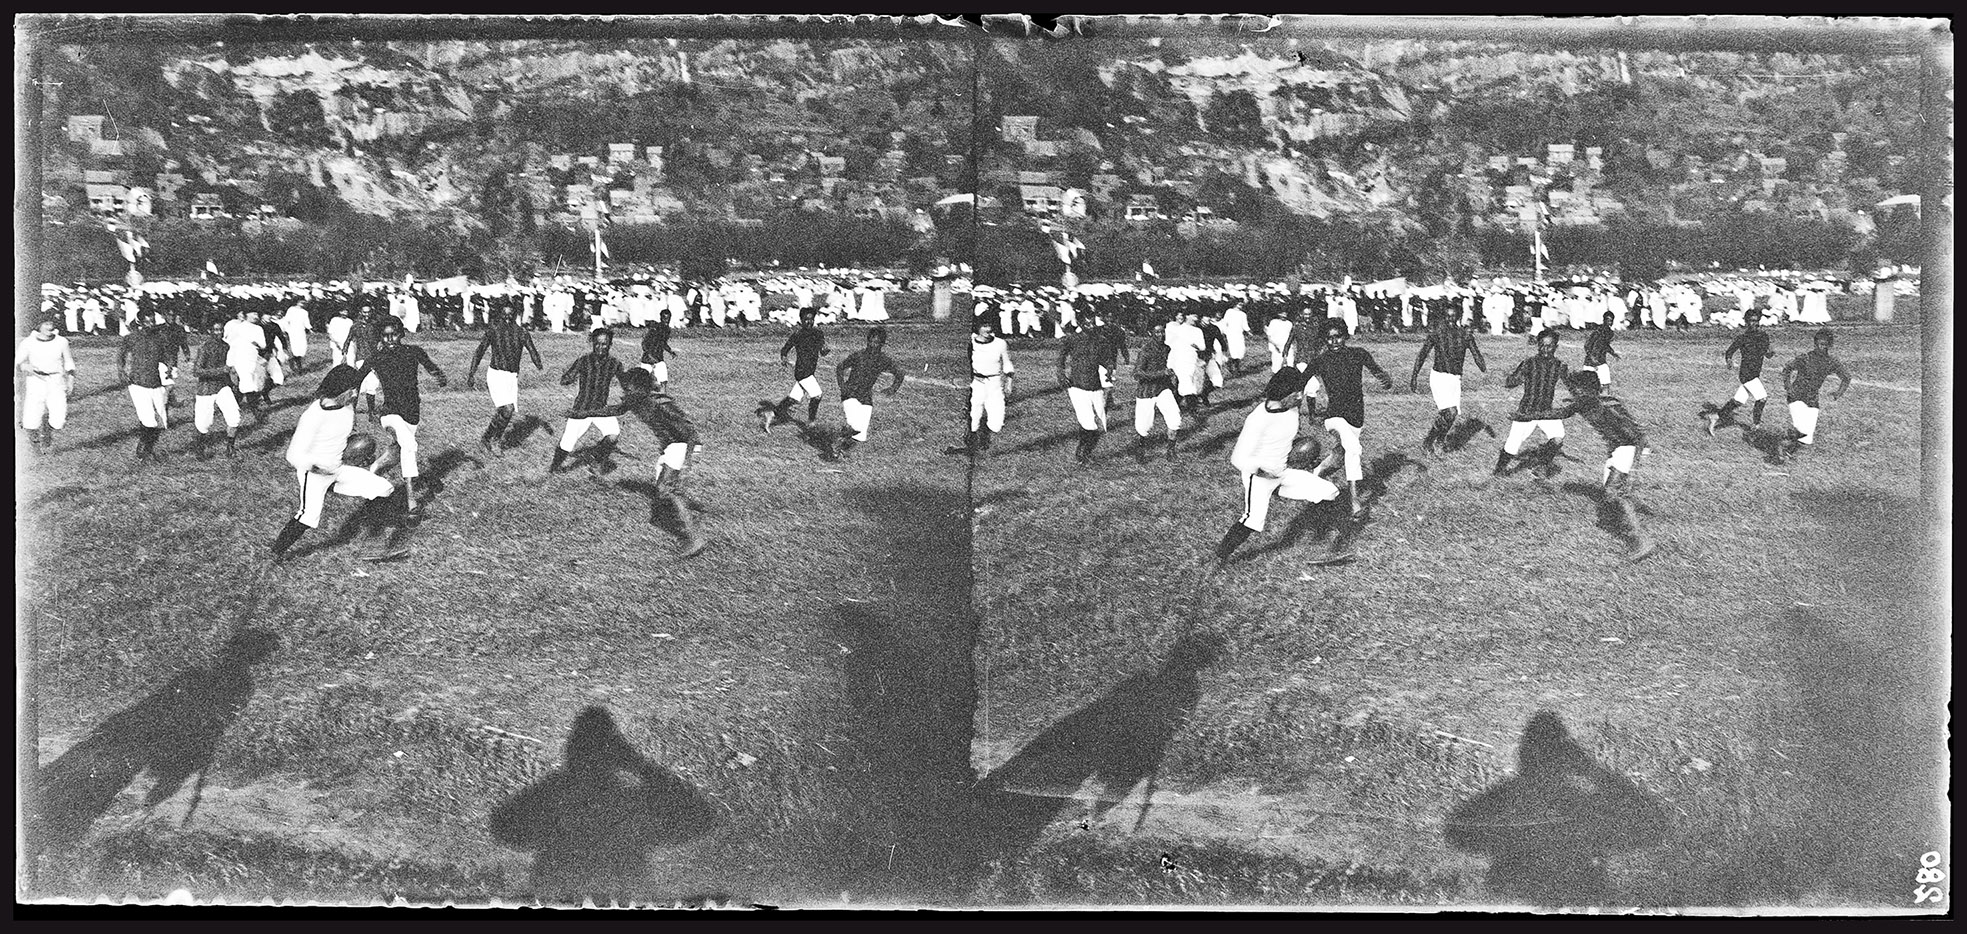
(793,670)
(1775,673)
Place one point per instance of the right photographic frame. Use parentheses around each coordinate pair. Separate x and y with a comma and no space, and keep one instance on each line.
(1464,462)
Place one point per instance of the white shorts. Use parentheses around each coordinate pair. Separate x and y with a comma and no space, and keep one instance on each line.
(1604,371)
(349,480)
(371,385)
(675,456)
(504,387)
(987,403)
(1519,432)
(252,377)
(406,442)
(1089,406)
(805,389)
(1803,418)
(1447,389)
(1302,485)
(609,425)
(1188,377)
(658,370)
(1751,390)
(222,402)
(275,373)
(1355,463)
(1234,344)
(150,405)
(1171,413)
(858,414)
(1622,460)
(46,402)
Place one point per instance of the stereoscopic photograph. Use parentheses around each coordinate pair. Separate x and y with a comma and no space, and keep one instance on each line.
(967,462)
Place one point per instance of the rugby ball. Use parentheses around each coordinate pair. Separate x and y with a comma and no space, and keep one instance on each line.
(360,451)
(1306,452)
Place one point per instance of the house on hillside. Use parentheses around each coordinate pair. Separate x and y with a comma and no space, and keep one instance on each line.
(561,161)
(1142,208)
(1043,200)
(107,199)
(869,207)
(207,206)
(1019,129)
(831,166)
(1041,148)
(621,153)
(579,196)
(1560,153)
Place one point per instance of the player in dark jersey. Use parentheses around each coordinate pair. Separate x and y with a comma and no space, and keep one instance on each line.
(1753,346)
(681,443)
(395,365)
(1113,352)
(597,372)
(141,361)
(215,394)
(1803,380)
(656,349)
(802,352)
(1154,391)
(1448,343)
(1341,369)
(1598,347)
(857,376)
(506,340)
(1623,441)
(1082,372)
(1539,376)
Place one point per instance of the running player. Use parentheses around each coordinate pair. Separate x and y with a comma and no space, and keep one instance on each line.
(655,347)
(1754,348)
(1623,441)
(680,440)
(244,339)
(141,361)
(1083,374)
(395,366)
(1235,325)
(802,351)
(1341,369)
(1263,449)
(1113,352)
(1803,380)
(857,376)
(1598,347)
(505,339)
(596,371)
(316,453)
(49,370)
(1539,376)
(1154,391)
(1448,343)
(214,392)
(991,381)
(341,340)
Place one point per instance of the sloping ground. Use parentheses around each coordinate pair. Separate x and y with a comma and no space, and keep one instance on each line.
(1475,603)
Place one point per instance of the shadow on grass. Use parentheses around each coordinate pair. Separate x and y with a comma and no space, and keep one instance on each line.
(663,508)
(523,431)
(171,734)
(820,438)
(1041,443)
(1464,432)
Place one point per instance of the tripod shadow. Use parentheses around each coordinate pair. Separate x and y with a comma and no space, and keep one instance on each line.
(1043,442)
(1549,829)
(1117,742)
(171,734)
(592,823)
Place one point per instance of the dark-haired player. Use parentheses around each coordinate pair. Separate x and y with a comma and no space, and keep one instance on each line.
(1803,380)
(1623,442)
(1154,391)
(1263,449)
(316,453)
(681,442)
(506,340)
(857,376)
(1082,371)
(656,350)
(215,394)
(1599,352)
(1753,346)
(141,360)
(1448,343)
(1341,369)
(47,369)
(802,352)
(1539,377)
(991,381)
(395,365)
(596,371)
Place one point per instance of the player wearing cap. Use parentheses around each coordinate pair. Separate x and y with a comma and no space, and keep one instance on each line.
(395,365)
(316,453)
(506,340)
(1803,381)
(857,376)
(1623,441)
(681,443)
(802,351)
(1261,456)
(1753,346)
(214,392)
(1083,373)
(48,368)
(1539,377)
(1341,369)
(1448,343)
(596,371)
(991,376)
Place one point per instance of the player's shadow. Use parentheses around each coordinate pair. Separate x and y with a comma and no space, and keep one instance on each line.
(1043,443)
(592,823)
(662,509)
(1320,522)
(1605,506)
(1765,441)
(59,494)
(1210,445)
(820,438)
(172,734)
(112,439)
(1549,829)
(445,464)
(523,431)
(1465,431)
(1117,742)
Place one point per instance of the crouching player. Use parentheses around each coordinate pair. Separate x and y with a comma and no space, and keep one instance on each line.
(1263,450)
(1623,439)
(323,460)
(680,443)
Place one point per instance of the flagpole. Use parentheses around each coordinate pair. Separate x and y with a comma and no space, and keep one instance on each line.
(597,249)
(1537,254)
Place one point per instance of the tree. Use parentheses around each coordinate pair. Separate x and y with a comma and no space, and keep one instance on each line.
(297,116)
(1235,117)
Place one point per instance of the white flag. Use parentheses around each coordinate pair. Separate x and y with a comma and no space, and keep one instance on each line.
(1147,270)
(211,268)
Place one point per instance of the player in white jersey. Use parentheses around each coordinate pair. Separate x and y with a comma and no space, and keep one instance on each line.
(1277,333)
(1235,325)
(296,323)
(991,375)
(341,340)
(317,456)
(1261,458)
(48,369)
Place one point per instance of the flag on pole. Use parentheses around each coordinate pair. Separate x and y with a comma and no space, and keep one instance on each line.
(211,268)
(1147,270)
(602,246)
(132,245)
(1064,243)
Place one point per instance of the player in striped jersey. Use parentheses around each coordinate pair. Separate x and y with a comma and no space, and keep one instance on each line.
(1449,344)
(1263,449)
(1623,441)
(1539,376)
(596,371)
(1754,348)
(506,340)
(316,454)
